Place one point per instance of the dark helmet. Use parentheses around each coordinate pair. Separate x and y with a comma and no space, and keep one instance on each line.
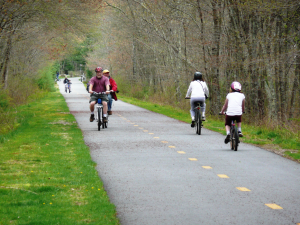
(197,76)
(98,69)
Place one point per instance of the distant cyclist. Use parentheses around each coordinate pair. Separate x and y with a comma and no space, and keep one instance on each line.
(67,81)
(234,106)
(99,83)
(198,91)
(113,89)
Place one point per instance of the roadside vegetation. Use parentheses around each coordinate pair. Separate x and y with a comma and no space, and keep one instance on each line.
(46,172)
(277,139)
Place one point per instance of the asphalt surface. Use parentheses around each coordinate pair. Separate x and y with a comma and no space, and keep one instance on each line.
(156,170)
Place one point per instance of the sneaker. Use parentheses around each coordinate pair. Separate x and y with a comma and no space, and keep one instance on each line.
(92,118)
(104,119)
(193,124)
(240,134)
(203,118)
(109,112)
(227,139)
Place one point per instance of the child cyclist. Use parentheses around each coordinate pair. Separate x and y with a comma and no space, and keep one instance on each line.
(234,106)
(198,91)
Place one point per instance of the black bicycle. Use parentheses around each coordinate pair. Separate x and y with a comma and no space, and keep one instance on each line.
(198,117)
(234,136)
(99,113)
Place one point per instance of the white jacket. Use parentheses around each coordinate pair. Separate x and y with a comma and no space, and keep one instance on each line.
(197,88)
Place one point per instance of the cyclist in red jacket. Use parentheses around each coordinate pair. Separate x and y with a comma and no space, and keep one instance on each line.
(113,90)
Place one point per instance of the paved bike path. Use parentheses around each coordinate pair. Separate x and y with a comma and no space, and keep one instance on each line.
(156,170)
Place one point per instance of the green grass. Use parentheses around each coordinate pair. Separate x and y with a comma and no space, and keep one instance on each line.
(46,172)
(277,139)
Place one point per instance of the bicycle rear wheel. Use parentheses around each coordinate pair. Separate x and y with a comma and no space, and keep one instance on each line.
(199,124)
(232,139)
(236,137)
(99,118)
(197,121)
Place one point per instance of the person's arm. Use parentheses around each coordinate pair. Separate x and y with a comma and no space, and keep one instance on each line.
(224,106)
(243,106)
(189,91)
(113,84)
(107,89)
(206,90)
(91,89)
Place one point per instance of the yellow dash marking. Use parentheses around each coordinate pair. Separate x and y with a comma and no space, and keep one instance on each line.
(223,176)
(136,125)
(141,128)
(242,189)
(145,130)
(274,206)
(207,167)
(156,137)
(172,146)
(181,152)
(193,159)
(151,133)
(132,123)
(164,142)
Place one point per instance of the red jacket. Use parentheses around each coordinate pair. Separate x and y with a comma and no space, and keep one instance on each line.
(114,87)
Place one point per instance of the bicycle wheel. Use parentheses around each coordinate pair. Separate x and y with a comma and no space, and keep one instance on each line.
(199,122)
(236,138)
(106,123)
(232,139)
(196,120)
(99,118)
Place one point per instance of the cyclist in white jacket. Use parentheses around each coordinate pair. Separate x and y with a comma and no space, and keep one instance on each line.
(198,91)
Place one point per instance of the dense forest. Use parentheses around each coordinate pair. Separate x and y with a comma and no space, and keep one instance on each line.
(155,46)
(152,48)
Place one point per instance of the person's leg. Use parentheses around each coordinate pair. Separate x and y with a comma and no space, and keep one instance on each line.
(92,107)
(104,103)
(109,102)
(227,128)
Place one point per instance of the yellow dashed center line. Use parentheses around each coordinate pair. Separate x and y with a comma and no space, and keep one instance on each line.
(274,206)
(172,146)
(136,125)
(164,142)
(193,159)
(181,152)
(145,130)
(156,137)
(207,167)
(222,176)
(243,189)
(151,133)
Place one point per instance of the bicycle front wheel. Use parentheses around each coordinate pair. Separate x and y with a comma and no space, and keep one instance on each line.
(99,118)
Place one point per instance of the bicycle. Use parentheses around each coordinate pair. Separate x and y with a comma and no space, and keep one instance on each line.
(99,113)
(68,86)
(198,117)
(234,136)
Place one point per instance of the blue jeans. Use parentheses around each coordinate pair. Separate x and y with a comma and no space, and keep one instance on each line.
(109,102)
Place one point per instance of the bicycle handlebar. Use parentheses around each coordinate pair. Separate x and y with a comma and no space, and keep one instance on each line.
(95,93)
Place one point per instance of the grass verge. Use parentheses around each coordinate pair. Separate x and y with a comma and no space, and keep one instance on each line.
(46,172)
(281,141)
